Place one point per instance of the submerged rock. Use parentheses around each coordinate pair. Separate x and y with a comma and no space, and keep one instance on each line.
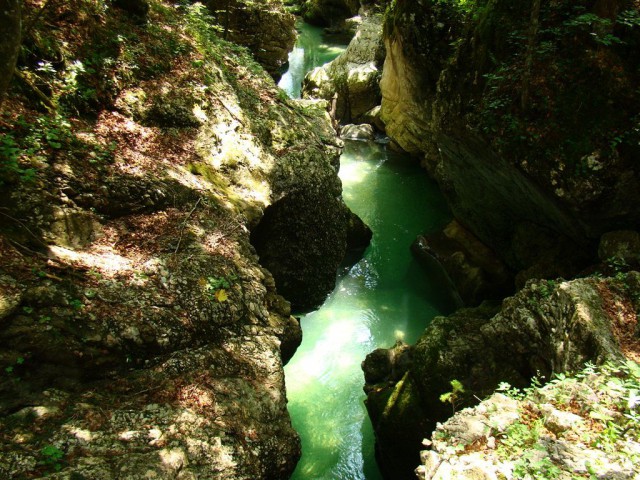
(548,327)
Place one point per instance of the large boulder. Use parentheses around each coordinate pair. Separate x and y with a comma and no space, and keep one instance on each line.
(546,328)
(351,81)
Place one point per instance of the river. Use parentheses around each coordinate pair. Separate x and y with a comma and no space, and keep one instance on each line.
(384,297)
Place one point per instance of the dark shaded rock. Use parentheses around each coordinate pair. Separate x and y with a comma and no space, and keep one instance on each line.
(303,252)
(10,28)
(329,12)
(267,29)
(476,273)
(542,253)
(137,8)
(387,364)
(358,233)
(623,245)
(445,103)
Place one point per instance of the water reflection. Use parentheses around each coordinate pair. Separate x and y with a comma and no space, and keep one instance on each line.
(385,296)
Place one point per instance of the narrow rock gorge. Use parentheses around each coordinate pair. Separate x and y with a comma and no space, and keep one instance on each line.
(167,212)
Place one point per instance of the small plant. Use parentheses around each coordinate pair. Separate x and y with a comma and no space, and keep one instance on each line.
(76,304)
(216,287)
(454,396)
(52,457)
(528,466)
(11,368)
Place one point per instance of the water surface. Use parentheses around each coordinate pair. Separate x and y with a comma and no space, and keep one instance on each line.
(384,297)
(313,49)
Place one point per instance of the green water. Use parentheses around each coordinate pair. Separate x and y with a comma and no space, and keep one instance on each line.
(384,297)
(312,49)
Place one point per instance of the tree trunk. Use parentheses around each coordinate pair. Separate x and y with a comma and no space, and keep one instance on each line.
(10,27)
(528,61)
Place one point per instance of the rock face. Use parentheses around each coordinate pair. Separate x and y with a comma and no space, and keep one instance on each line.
(465,110)
(329,12)
(550,432)
(351,81)
(10,21)
(474,271)
(546,328)
(140,335)
(266,28)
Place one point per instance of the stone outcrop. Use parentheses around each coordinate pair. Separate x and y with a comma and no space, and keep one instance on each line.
(351,81)
(266,28)
(473,270)
(141,335)
(329,12)
(552,432)
(545,328)
(505,160)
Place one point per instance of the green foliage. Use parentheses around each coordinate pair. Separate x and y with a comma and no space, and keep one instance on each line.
(216,287)
(51,456)
(76,304)
(22,142)
(597,27)
(455,395)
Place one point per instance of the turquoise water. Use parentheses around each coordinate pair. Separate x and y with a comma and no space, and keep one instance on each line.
(312,49)
(384,297)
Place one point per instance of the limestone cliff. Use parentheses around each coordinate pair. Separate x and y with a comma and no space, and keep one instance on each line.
(527,118)
(141,336)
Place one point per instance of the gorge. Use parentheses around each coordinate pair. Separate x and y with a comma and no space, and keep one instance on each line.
(170,219)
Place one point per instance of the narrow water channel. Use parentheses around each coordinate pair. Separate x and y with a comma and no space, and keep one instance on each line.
(311,50)
(384,297)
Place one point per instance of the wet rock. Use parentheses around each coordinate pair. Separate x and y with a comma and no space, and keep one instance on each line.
(357,132)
